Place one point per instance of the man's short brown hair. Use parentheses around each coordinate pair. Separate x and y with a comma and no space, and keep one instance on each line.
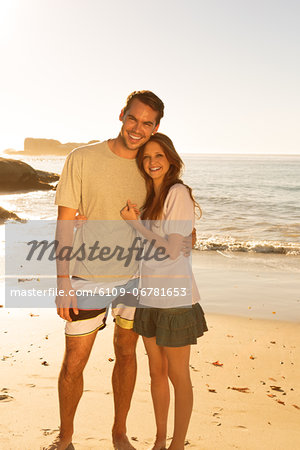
(148,98)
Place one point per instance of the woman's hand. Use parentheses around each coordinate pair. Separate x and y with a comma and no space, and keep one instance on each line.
(130,211)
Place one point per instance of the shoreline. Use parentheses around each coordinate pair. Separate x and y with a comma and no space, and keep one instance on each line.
(246,285)
(249,285)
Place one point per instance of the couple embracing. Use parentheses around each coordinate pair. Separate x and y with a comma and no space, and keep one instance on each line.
(132,180)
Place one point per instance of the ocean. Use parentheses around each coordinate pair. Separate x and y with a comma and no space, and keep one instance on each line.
(249,203)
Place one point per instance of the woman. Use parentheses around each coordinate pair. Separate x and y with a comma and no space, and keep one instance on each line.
(168,332)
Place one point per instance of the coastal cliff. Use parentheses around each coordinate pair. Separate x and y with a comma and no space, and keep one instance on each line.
(34,146)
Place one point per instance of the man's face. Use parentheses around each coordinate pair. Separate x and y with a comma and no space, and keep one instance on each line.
(139,122)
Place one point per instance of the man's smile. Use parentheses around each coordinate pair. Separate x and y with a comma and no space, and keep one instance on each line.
(135,138)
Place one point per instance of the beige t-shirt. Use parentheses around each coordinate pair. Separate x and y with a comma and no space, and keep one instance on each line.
(98,183)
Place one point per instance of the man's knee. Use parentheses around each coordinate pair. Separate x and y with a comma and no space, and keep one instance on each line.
(75,359)
(73,366)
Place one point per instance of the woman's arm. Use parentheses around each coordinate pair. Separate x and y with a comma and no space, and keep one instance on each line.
(173,245)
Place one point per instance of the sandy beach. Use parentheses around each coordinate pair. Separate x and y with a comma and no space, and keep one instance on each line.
(245,370)
(95,96)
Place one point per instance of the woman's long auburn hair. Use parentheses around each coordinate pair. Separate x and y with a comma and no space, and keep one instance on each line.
(153,209)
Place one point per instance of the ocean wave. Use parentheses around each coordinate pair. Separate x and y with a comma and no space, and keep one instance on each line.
(288,188)
(233,245)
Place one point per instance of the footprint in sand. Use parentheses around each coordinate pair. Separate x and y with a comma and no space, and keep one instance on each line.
(6,398)
(47,387)
(96,443)
(48,431)
(43,378)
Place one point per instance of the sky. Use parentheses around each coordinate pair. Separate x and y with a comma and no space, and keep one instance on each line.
(228,71)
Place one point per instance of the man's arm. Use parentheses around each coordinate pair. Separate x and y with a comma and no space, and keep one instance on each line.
(64,236)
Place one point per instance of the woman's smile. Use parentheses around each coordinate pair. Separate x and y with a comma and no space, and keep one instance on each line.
(155,162)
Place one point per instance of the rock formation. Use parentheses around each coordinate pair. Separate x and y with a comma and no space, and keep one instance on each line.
(5,215)
(18,176)
(33,146)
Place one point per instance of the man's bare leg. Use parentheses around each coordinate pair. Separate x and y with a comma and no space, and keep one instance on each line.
(70,386)
(123,381)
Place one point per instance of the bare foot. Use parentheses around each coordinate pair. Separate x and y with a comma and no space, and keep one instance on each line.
(60,443)
(159,445)
(121,442)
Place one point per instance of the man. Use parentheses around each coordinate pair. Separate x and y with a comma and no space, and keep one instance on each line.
(97,180)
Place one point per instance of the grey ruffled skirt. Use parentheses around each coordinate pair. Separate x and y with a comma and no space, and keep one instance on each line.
(173,327)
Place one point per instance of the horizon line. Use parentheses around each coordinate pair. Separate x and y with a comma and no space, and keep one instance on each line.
(181,153)
(239,154)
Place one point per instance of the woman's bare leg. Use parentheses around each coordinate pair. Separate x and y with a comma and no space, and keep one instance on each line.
(179,374)
(158,366)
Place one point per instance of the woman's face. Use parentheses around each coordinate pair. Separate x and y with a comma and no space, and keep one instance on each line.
(155,162)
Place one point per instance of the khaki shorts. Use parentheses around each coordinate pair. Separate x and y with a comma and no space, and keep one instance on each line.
(91,320)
